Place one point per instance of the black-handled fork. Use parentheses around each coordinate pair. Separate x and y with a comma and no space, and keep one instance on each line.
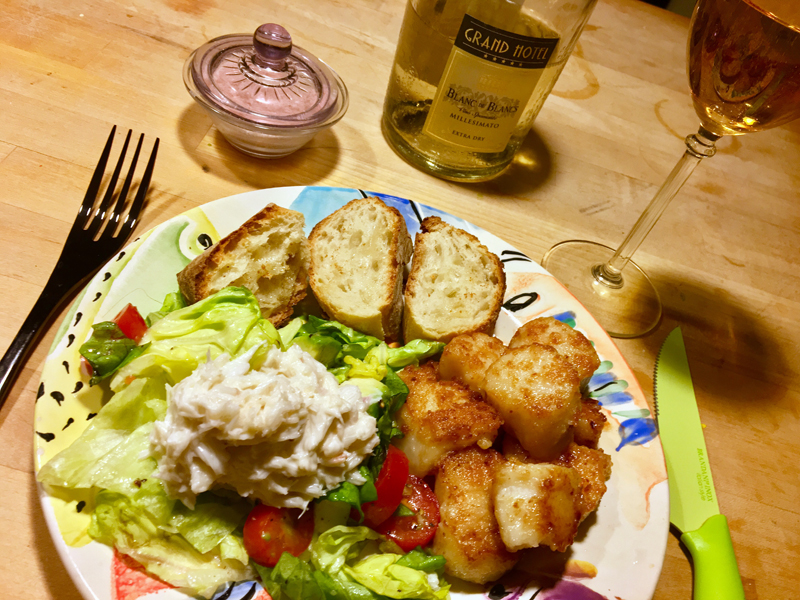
(87,249)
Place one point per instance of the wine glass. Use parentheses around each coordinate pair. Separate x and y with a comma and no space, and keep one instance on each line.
(744,76)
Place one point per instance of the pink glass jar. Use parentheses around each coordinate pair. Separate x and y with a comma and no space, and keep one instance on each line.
(266,96)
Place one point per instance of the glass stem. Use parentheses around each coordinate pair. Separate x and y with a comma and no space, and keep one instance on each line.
(699,145)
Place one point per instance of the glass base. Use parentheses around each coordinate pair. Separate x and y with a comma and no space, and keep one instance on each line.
(629,310)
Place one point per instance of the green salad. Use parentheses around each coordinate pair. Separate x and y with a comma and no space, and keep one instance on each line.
(201,548)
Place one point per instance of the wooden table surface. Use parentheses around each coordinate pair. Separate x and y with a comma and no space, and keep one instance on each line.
(725,256)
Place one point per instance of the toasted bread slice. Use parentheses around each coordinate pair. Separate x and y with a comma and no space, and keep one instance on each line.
(358,255)
(455,286)
(268,255)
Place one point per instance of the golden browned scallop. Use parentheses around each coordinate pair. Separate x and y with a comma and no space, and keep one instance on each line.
(513,450)
(567,341)
(439,417)
(537,393)
(589,423)
(536,504)
(468,535)
(466,358)
(594,467)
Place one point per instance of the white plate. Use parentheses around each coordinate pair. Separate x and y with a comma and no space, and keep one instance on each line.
(618,552)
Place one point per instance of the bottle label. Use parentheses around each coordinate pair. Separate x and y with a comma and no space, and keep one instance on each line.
(487,82)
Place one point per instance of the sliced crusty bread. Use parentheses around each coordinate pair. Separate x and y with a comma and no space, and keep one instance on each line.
(268,255)
(358,254)
(456,284)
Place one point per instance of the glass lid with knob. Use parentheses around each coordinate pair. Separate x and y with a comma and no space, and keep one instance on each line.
(266,80)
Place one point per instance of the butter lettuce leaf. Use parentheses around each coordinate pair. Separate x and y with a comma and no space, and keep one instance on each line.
(384,412)
(355,495)
(291,579)
(147,526)
(348,353)
(108,454)
(339,569)
(382,574)
(412,353)
(422,561)
(228,321)
(323,348)
(212,520)
(197,550)
(172,302)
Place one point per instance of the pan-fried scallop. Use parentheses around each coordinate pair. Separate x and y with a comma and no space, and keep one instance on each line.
(513,450)
(594,467)
(537,393)
(589,423)
(567,341)
(536,504)
(467,357)
(468,535)
(439,417)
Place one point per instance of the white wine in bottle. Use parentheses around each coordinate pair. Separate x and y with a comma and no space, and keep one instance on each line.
(470,76)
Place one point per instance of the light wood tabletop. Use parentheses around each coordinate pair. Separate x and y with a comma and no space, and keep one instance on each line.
(725,256)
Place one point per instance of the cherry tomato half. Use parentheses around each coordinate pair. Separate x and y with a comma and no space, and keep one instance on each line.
(270,531)
(131,323)
(390,484)
(417,529)
(86,367)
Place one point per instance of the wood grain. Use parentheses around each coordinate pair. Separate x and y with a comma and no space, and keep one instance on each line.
(725,256)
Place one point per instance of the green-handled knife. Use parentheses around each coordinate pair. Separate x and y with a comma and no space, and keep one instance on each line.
(693,506)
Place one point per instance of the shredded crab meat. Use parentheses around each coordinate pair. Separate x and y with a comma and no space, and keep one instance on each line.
(285,433)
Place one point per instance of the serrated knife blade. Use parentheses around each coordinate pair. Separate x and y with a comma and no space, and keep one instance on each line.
(693,506)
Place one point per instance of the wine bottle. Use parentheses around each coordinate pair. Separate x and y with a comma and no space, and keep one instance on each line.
(470,76)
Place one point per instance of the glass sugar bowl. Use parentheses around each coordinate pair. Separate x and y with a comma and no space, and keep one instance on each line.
(265,95)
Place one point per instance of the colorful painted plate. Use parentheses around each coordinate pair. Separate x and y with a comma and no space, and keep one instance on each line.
(619,550)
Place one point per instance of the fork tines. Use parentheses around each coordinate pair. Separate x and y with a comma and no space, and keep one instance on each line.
(118,224)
